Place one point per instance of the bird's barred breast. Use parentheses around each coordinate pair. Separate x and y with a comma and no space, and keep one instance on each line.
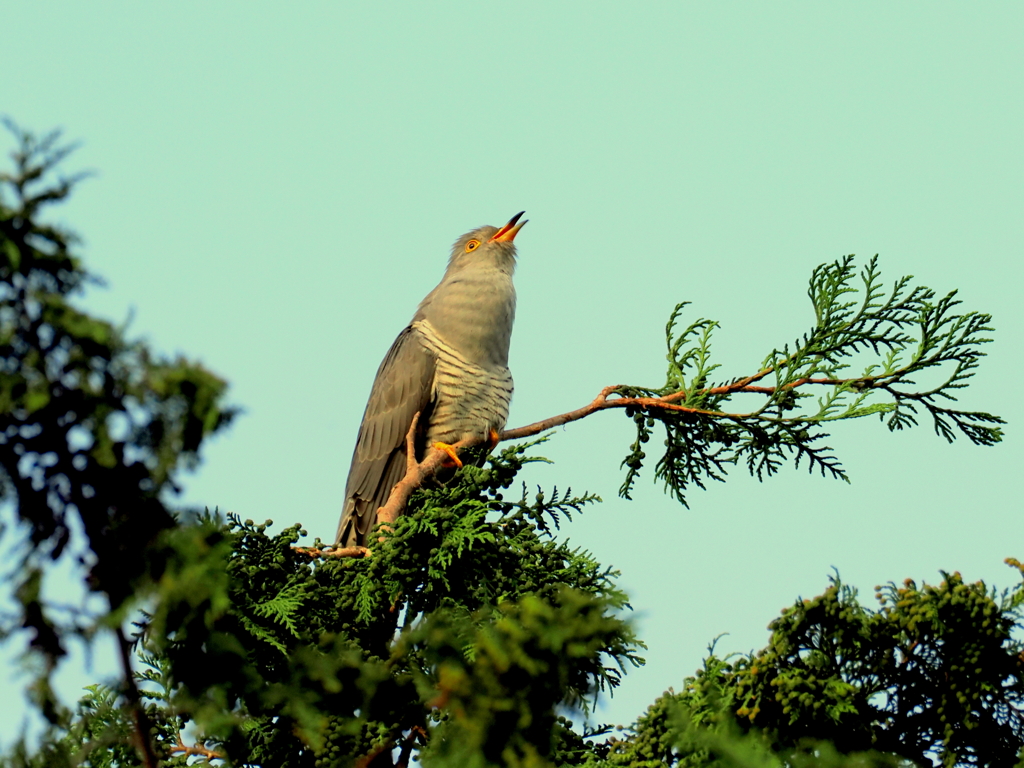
(469,400)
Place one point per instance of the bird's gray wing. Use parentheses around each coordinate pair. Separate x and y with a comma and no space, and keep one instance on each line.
(402,387)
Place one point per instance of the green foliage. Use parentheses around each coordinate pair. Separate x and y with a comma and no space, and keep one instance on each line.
(92,425)
(463,591)
(500,698)
(904,333)
(471,631)
(936,670)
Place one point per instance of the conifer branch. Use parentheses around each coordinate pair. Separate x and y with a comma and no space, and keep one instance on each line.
(906,329)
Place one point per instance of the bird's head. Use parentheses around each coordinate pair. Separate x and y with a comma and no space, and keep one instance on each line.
(487,246)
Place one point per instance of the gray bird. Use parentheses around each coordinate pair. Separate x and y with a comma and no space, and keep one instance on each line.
(450,364)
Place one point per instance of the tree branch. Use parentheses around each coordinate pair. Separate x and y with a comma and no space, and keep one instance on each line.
(315,552)
(416,733)
(196,750)
(665,402)
(142,725)
(416,473)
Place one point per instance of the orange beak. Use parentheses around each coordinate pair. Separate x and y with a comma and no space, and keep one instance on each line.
(508,233)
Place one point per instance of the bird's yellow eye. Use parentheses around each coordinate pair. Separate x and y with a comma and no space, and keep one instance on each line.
(472,245)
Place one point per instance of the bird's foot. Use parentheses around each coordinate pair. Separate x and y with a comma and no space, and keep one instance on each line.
(493,438)
(450,450)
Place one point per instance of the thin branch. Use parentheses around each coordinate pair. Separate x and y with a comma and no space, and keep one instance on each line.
(315,552)
(599,403)
(409,743)
(142,724)
(369,757)
(665,402)
(415,475)
(196,750)
(416,472)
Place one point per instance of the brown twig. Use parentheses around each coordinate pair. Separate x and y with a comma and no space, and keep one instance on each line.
(141,720)
(416,473)
(369,757)
(196,750)
(665,403)
(408,744)
(315,552)
(601,402)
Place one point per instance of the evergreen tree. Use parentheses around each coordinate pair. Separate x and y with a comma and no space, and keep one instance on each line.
(469,631)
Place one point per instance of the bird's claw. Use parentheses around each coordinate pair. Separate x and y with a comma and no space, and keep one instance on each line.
(450,450)
(493,438)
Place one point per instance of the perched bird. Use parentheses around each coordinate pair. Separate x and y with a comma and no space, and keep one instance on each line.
(450,365)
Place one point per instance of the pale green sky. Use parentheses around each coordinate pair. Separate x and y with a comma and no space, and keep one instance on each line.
(277,189)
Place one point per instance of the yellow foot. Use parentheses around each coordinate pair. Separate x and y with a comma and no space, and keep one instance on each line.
(451,453)
(493,438)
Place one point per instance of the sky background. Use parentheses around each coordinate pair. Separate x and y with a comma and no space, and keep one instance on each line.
(275,191)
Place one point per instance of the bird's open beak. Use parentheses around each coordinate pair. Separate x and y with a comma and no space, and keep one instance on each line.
(508,233)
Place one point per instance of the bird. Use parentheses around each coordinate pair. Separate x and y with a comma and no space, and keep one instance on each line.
(450,365)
